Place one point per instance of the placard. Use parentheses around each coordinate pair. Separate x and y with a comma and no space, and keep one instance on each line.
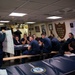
(37,29)
(8,45)
(50,27)
(43,28)
(72,25)
(60,29)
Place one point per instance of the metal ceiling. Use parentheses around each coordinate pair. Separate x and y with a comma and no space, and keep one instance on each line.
(37,10)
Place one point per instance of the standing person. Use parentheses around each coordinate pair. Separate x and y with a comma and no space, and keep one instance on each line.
(47,43)
(2,37)
(18,33)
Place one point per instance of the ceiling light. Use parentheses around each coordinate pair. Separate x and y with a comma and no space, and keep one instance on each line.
(4,21)
(17,14)
(54,17)
(30,22)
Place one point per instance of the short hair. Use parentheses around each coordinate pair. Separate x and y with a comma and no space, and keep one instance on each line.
(71,34)
(25,34)
(32,36)
(17,28)
(43,34)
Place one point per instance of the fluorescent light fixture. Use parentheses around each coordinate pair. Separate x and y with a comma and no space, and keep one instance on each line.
(4,21)
(30,22)
(54,17)
(17,14)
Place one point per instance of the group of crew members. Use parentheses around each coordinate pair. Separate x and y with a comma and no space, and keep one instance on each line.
(37,45)
(45,44)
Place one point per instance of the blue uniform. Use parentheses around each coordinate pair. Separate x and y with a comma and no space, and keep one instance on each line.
(47,44)
(34,48)
(69,40)
(55,44)
(2,37)
(65,45)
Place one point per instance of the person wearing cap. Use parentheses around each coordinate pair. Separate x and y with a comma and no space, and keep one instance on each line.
(2,38)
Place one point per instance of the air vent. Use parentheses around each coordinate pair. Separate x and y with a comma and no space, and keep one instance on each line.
(66,10)
(47,14)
